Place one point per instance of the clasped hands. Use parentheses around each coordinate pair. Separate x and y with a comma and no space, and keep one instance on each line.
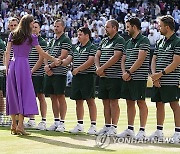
(47,68)
(100,72)
(126,76)
(155,78)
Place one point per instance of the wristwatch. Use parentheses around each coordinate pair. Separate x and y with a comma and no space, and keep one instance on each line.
(50,66)
(128,72)
(163,72)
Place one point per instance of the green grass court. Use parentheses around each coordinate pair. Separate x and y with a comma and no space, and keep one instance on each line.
(44,142)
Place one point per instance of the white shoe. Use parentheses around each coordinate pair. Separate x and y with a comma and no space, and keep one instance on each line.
(61,127)
(1,118)
(53,127)
(128,133)
(41,125)
(30,124)
(112,131)
(92,130)
(103,131)
(157,135)
(78,129)
(176,138)
(141,135)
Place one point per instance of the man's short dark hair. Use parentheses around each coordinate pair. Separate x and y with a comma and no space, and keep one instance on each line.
(61,21)
(134,21)
(168,20)
(114,23)
(85,30)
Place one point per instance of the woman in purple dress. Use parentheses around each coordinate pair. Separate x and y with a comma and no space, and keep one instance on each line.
(20,93)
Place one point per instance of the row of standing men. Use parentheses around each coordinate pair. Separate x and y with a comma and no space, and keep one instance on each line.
(123,70)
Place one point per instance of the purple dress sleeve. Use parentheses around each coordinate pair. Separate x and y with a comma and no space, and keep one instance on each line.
(10,37)
(34,40)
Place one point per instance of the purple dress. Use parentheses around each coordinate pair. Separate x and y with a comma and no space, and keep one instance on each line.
(20,95)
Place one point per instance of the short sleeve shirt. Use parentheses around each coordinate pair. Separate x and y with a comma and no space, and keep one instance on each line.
(2,50)
(34,56)
(165,51)
(133,46)
(54,49)
(81,54)
(107,48)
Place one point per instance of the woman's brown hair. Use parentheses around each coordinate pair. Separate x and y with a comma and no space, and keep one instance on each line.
(23,31)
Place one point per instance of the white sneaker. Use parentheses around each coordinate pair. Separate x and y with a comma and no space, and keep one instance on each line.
(103,131)
(112,131)
(141,135)
(176,138)
(30,124)
(61,127)
(92,130)
(53,127)
(128,133)
(41,125)
(77,129)
(1,118)
(157,135)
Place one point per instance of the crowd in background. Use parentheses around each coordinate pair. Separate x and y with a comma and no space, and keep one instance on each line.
(92,14)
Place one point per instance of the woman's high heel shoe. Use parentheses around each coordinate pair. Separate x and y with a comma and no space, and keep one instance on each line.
(13,130)
(21,132)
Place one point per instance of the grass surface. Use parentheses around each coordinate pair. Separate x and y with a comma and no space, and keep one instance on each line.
(55,142)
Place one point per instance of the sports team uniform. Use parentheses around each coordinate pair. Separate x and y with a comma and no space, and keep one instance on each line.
(165,50)
(110,85)
(56,83)
(135,89)
(83,84)
(38,75)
